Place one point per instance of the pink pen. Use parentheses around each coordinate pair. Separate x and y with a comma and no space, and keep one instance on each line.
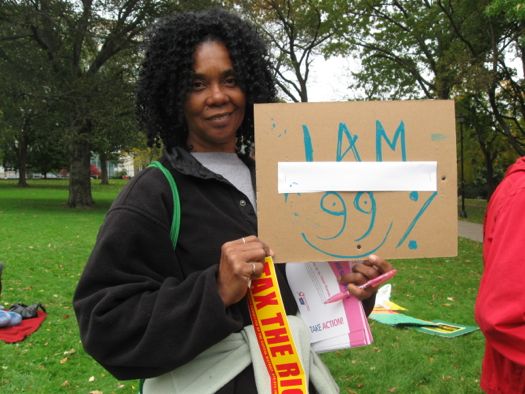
(372,282)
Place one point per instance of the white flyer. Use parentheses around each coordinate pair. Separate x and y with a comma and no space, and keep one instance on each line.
(332,326)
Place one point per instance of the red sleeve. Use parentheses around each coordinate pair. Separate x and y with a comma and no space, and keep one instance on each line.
(500,305)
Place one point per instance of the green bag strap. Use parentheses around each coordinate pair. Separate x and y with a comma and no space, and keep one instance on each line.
(175,222)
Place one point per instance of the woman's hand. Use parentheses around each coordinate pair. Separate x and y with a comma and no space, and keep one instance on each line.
(241,261)
(362,272)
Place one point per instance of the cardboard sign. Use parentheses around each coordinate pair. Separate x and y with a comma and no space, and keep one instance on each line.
(340,181)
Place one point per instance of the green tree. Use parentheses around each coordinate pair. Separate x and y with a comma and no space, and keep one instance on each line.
(79,40)
(90,52)
(443,49)
(406,49)
(507,90)
(484,149)
(297,31)
(23,99)
(115,127)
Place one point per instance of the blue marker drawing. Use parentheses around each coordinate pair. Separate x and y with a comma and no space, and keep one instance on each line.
(416,218)
(274,127)
(344,256)
(308,148)
(286,195)
(364,202)
(343,131)
(341,212)
(437,137)
(371,211)
(398,135)
(412,245)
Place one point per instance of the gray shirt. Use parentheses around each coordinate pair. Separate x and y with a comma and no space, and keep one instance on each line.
(231,168)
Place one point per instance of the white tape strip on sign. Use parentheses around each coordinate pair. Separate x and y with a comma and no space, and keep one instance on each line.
(312,177)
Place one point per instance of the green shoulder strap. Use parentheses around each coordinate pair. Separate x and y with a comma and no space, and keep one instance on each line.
(175,222)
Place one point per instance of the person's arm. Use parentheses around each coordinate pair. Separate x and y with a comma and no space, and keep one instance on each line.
(500,306)
(139,316)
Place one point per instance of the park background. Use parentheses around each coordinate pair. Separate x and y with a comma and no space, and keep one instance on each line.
(67,76)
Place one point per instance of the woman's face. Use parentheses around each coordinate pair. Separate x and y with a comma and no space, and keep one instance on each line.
(214,107)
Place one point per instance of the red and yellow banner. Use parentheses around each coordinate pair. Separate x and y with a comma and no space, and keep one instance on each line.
(274,334)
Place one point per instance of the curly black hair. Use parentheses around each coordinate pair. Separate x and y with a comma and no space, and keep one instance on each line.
(166,72)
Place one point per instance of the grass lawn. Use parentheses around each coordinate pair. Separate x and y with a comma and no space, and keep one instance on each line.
(406,361)
(475,210)
(44,246)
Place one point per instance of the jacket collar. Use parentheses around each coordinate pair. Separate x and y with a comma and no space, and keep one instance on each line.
(184,162)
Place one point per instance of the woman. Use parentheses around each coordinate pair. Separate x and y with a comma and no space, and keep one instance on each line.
(145,309)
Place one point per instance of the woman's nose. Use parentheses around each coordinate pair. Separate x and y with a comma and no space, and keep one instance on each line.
(217,95)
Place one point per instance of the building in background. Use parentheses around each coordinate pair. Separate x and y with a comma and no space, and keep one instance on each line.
(124,167)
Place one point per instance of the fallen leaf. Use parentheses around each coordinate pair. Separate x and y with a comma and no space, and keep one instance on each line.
(96,392)
(450,298)
(91,379)
(64,360)
(392,390)
(65,384)
(69,352)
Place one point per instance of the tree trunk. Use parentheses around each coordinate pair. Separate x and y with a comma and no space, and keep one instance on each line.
(22,154)
(79,175)
(491,180)
(490,152)
(104,179)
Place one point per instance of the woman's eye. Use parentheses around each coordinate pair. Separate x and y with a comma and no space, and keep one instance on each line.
(197,85)
(230,81)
